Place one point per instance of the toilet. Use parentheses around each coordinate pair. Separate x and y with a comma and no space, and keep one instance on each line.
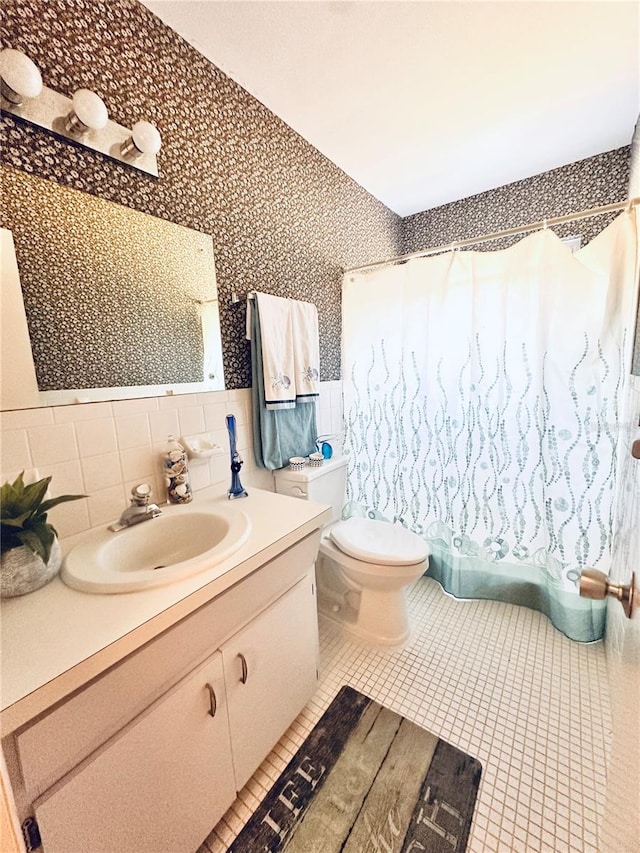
(364,565)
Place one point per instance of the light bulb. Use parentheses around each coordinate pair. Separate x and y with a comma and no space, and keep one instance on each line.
(89,112)
(21,77)
(144,139)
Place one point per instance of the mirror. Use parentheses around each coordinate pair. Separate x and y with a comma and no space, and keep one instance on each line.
(117,303)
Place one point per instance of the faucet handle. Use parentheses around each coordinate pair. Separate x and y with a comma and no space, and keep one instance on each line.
(141,494)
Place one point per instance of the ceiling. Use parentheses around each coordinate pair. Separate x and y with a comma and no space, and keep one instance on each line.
(423,103)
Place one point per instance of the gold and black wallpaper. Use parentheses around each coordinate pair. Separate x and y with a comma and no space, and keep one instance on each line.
(283,218)
(595,181)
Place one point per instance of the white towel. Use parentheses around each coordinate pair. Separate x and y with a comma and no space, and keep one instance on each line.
(277,351)
(306,350)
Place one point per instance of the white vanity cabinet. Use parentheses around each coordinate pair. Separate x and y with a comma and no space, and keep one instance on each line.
(160,784)
(149,755)
(269,668)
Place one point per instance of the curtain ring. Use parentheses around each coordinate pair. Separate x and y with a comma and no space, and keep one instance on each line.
(544,223)
(454,246)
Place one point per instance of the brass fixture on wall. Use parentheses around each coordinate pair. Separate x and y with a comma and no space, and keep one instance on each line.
(82,119)
(595,584)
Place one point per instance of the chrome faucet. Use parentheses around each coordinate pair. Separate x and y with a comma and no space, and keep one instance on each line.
(140,509)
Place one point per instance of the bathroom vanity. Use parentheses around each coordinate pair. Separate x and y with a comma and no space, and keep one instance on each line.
(130,721)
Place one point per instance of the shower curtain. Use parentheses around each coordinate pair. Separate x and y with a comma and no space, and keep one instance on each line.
(481,409)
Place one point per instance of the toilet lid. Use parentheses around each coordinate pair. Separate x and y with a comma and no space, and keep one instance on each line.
(379,542)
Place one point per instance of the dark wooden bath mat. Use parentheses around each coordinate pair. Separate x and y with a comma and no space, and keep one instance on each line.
(367,779)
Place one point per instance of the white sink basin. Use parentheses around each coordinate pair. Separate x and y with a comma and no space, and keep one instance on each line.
(181,542)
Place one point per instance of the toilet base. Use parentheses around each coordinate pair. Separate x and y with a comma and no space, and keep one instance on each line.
(387,611)
(351,631)
(377,617)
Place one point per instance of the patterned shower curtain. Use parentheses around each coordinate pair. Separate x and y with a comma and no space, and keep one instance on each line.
(482,394)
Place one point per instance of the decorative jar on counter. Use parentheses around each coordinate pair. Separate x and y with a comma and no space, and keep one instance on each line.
(176,471)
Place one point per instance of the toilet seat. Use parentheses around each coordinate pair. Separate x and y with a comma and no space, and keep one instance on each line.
(378,542)
(366,568)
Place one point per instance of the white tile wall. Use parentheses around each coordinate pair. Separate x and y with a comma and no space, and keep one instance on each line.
(133,430)
(96,436)
(100,472)
(50,444)
(103,449)
(15,452)
(499,682)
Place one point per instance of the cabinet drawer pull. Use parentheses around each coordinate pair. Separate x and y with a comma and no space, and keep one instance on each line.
(213,702)
(245,670)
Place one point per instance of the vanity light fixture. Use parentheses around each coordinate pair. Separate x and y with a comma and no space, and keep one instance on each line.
(83,119)
(144,139)
(21,78)
(89,113)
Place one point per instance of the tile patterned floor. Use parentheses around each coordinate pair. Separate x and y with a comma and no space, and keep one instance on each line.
(497,681)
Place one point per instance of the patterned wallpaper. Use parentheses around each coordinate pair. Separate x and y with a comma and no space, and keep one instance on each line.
(602,179)
(283,218)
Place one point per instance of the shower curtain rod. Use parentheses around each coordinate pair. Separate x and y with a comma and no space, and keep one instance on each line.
(506,232)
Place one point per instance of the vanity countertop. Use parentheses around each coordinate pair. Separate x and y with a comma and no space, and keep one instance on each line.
(56,639)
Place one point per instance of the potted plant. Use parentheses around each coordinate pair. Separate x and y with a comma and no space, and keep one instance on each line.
(31,554)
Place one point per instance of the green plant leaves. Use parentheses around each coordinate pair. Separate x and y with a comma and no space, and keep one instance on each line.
(47,505)
(24,516)
(17,498)
(15,522)
(40,539)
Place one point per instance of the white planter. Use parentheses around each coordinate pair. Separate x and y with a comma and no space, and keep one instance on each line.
(23,571)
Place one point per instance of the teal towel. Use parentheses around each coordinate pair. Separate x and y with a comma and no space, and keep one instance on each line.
(278,434)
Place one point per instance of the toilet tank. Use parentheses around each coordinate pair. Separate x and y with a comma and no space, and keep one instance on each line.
(325,484)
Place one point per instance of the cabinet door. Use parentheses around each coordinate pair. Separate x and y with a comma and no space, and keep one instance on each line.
(270,669)
(159,785)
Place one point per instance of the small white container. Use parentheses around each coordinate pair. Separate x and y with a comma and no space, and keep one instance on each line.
(297,463)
